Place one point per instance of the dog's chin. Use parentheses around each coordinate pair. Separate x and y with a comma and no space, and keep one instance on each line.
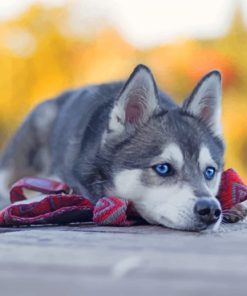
(193,225)
(213,227)
(196,225)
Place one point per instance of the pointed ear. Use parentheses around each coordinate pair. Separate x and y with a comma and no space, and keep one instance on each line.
(137,101)
(205,102)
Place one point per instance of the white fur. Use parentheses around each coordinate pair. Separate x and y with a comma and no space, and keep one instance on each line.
(170,206)
(171,154)
(205,158)
(128,185)
(216,184)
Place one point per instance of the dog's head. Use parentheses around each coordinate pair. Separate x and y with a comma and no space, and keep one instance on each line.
(168,161)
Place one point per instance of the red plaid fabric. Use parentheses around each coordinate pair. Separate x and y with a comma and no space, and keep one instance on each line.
(60,207)
(232,189)
(52,209)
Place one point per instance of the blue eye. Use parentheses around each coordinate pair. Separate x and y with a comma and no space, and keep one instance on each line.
(209,173)
(163,169)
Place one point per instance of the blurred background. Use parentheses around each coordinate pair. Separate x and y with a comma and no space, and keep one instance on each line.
(48,46)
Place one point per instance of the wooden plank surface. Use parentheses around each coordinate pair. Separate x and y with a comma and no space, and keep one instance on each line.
(140,260)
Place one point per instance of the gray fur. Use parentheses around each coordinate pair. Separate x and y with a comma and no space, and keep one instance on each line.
(70,147)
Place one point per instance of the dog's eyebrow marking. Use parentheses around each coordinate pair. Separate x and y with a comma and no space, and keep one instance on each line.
(205,158)
(171,153)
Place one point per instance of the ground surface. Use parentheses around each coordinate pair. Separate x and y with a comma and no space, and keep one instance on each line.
(140,260)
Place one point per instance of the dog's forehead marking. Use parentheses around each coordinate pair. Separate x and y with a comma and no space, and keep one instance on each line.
(205,158)
(172,152)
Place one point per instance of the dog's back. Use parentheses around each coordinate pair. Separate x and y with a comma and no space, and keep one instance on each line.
(61,137)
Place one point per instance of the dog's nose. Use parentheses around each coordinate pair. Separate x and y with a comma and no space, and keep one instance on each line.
(207,210)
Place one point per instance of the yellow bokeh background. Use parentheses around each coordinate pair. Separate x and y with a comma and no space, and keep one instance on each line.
(40,57)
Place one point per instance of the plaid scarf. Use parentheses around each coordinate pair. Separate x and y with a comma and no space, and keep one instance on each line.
(57,205)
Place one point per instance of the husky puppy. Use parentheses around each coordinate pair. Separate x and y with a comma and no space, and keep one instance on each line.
(130,140)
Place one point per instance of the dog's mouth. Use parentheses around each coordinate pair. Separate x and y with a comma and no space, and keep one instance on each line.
(181,218)
(184,222)
(194,225)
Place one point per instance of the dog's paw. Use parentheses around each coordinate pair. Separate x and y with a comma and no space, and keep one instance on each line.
(235,214)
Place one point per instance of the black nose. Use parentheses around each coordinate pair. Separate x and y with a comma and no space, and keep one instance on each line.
(207,210)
